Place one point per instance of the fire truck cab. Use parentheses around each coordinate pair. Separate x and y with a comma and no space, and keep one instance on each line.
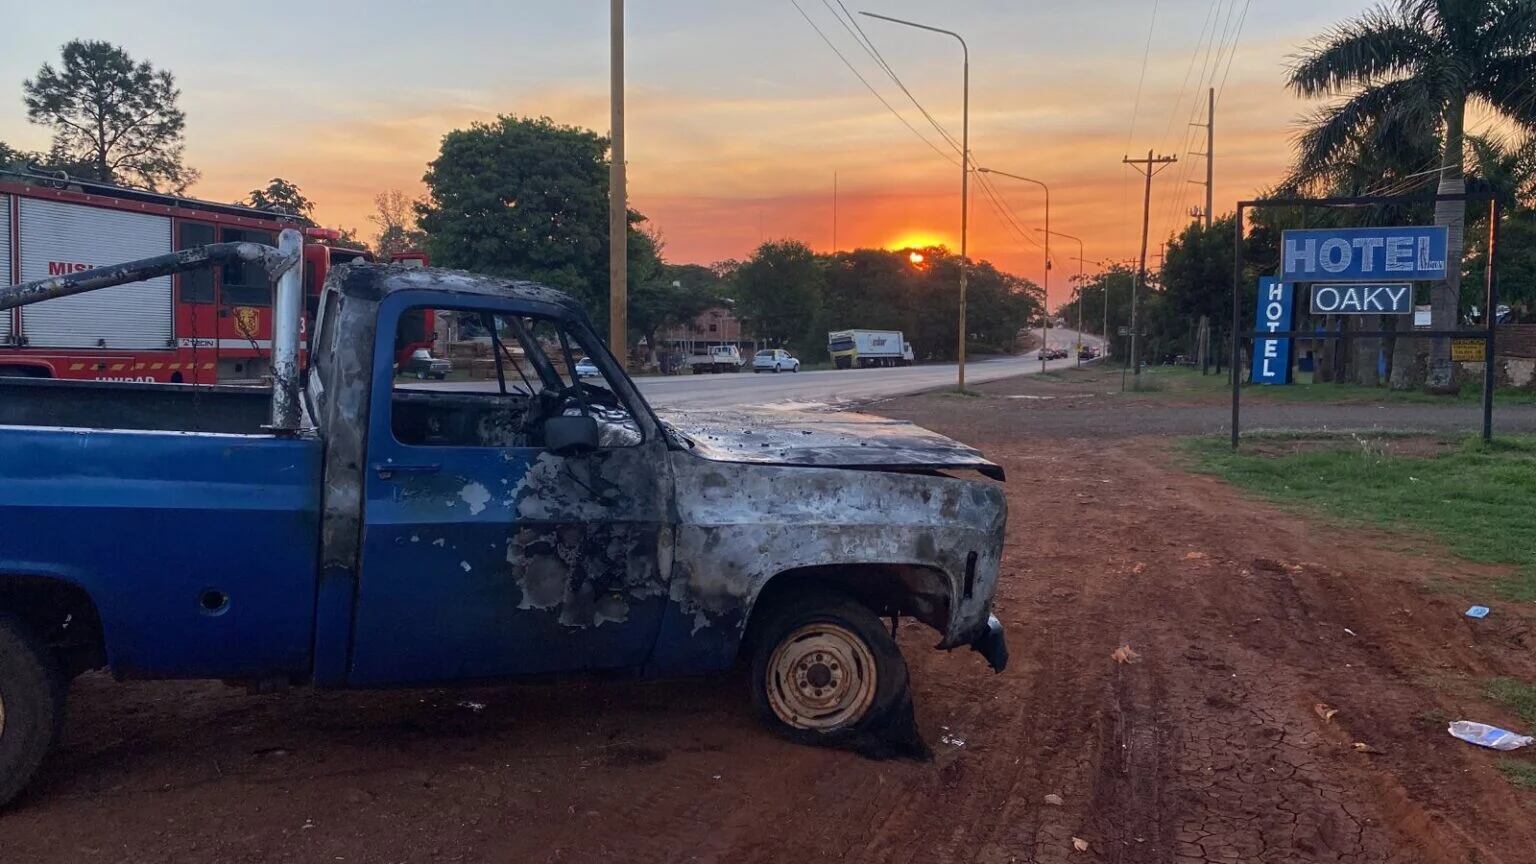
(205,327)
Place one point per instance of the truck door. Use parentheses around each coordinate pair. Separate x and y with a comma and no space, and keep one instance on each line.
(485,555)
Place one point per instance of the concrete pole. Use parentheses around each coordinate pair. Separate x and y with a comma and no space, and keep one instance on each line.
(1210,158)
(618,199)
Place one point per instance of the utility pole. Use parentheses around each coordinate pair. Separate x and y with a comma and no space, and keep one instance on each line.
(1151,167)
(1210,157)
(618,200)
(834,212)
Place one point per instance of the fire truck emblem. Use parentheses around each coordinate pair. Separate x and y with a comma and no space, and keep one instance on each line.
(247,321)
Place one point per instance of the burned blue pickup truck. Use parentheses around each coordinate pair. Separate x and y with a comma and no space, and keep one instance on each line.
(355,528)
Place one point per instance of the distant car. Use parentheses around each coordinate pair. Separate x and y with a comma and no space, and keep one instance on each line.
(421,364)
(1053,353)
(585,368)
(719,358)
(775,360)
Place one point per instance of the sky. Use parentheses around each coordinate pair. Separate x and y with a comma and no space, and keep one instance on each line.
(739,114)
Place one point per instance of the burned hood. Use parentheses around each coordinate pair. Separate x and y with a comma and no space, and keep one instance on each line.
(840,440)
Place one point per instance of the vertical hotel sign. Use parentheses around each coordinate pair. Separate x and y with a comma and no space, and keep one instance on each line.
(1276,309)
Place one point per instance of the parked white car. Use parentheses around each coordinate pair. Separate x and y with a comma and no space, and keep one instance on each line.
(775,360)
(585,368)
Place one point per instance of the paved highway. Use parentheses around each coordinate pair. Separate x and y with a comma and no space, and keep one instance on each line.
(834,386)
(817,388)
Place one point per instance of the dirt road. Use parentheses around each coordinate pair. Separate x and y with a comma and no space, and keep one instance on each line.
(1209,746)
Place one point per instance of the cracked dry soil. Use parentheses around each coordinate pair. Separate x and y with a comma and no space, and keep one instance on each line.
(1208,747)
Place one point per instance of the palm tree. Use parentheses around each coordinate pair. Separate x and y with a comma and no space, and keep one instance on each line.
(1414,65)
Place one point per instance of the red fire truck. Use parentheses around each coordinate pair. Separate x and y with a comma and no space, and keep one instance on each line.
(204,327)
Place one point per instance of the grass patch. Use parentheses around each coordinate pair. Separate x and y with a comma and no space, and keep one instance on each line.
(1522,774)
(1475,498)
(1515,695)
(1184,379)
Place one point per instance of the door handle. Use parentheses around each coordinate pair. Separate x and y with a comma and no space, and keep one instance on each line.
(387,470)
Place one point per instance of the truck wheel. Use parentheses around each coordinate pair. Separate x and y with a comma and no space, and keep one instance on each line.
(32,690)
(825,671)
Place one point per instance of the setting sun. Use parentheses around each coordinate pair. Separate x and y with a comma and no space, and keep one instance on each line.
(917,240)
(915,257)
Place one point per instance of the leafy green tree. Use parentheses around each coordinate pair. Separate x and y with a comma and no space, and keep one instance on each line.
(998,306)
(1114,286)
(528,198)
(779,293)
(281,196)
(1516,264)
(1196,282)
(876,289)
(674,295)
(348,239)
(395,216)
(115,117)
(19,160)
(1418,64)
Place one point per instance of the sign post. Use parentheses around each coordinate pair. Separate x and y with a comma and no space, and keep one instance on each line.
(1276,307)
(1385,257)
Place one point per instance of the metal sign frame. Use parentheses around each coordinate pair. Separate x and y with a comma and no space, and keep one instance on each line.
(1490,289)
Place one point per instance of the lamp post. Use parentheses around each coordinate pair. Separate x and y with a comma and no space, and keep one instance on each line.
(1048,233)
(1045,319)
(965,172)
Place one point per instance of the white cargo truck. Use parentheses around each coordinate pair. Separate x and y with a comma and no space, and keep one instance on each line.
(865,348)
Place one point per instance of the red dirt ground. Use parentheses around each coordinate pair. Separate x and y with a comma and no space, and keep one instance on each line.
(1208,747)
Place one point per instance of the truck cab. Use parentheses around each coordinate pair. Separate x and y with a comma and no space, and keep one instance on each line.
(429,533)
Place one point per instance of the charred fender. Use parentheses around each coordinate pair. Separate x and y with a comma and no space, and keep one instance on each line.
(741,527)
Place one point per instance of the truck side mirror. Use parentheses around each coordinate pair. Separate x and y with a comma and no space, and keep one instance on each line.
(568,436)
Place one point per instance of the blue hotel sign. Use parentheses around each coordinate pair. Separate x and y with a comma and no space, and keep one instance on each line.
(1272,357)
(1363,254)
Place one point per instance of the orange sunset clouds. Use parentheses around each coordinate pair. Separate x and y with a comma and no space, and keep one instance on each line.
(739,113)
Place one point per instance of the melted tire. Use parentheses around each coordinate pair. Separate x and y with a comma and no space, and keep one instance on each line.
(32,691)
(887,727)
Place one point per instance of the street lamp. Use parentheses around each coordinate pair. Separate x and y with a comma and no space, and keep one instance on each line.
(965,173)
(1048,234)
(1045,320)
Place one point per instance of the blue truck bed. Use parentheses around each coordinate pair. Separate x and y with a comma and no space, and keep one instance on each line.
(158,528)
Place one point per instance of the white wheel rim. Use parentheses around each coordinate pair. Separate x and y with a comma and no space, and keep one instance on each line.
(821,677)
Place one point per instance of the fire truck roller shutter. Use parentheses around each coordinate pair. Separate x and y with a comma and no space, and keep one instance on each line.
(6,274)
(58,236)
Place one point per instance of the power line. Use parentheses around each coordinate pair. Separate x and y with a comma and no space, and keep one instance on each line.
(1178,195)
(868,44)
(1170,198)
(851,68)
(874,52)
(1005,217)
(1145,55)
(1235,37)
(1210,17)
(1125,176)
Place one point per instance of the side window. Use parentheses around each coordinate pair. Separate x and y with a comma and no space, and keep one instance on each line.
(196,286)
(469,378)
(245,282)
